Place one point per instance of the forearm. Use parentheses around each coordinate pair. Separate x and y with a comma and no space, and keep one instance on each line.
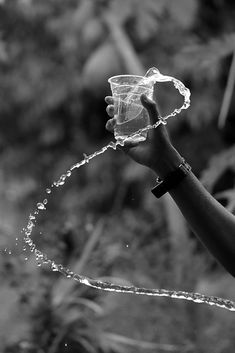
(209,220)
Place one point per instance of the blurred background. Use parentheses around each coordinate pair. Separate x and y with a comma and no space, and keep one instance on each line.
(55,59)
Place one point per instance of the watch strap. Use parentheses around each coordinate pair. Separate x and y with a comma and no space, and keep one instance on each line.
(171,180)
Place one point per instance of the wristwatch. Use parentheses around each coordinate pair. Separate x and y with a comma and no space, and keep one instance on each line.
(171,180)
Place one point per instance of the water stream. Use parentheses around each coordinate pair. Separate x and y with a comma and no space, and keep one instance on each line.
(155,76)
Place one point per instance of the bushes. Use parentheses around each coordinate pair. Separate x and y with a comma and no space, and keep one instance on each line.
(105,210)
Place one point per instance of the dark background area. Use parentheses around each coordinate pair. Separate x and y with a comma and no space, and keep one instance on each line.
(55,59)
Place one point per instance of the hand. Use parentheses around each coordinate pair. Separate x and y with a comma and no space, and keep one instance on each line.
(156,148)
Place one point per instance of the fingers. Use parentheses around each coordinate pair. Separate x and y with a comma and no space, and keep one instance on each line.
(110,110)
(110,124)
(151,107)
(109,100)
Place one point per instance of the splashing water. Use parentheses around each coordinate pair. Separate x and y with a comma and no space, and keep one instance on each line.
(152,75)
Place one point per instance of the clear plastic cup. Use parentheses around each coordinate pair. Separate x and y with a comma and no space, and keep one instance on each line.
(128,110)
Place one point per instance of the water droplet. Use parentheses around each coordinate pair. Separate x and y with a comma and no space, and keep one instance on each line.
(121,142)
(54,267)
(44,201)
(30,225)
(61,181)
(32,247)
(113,145)
(41,206)
(48,191)
(26,258)
(27,240)
(68,173)
(28,232)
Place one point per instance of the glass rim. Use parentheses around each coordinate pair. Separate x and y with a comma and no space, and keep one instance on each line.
(116,76)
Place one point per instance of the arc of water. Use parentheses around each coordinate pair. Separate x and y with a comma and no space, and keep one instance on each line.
(42,258)
(153,76)
(111,287)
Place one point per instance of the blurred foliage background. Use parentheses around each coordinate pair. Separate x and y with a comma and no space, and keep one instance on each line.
(55,59)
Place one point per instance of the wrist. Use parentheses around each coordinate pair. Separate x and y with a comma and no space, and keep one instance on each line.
(167,162)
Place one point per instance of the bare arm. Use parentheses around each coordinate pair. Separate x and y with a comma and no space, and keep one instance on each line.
(209,220)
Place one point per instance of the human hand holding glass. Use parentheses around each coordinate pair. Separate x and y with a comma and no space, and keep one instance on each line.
(156,151)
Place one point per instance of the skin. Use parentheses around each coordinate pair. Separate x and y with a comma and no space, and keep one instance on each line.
(208,219)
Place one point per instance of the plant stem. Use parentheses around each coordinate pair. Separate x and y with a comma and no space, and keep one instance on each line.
(227,94)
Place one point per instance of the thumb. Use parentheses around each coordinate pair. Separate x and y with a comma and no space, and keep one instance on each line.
(151,107)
